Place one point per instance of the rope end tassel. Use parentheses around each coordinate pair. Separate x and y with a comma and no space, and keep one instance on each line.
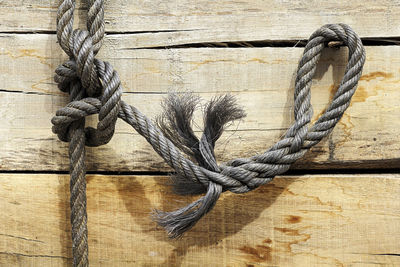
(176,124)
(95,88)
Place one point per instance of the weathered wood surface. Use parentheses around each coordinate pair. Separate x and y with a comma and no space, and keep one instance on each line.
(332,220)
(261,78)
(309,220)
(163,23)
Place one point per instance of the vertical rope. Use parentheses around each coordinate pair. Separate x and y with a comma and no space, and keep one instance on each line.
(81,47)
(79,231)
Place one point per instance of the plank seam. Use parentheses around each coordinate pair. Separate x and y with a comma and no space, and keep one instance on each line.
(367,41)
(155,173)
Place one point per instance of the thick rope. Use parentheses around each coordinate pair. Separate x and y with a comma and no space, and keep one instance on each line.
(94,87)
(79,78)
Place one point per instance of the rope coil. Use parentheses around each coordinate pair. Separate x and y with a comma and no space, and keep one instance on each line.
(95,88)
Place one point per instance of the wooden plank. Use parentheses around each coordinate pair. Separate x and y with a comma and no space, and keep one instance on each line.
(311,220)
(162,23)
(261,78)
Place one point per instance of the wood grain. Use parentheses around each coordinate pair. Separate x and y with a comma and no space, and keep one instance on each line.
(336,220)
(301,220)
(261,79)
(164,23)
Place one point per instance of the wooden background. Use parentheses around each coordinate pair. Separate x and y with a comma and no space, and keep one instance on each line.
(339,206)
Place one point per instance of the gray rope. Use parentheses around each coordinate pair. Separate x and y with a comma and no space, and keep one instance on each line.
(193,159)
(80,81)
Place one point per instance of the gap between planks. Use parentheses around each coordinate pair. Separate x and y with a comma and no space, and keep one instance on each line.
(294,172)
(367,41)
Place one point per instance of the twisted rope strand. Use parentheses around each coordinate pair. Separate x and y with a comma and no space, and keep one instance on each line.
(78,76)
(78,182)
(95,88)
(78,193)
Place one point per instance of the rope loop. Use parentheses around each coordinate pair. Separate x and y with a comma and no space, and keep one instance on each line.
(95,24)
(245,174)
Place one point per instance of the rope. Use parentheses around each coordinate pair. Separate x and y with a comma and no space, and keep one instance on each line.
(79,78)
(95,88)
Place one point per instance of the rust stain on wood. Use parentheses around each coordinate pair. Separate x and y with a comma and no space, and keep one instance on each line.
(293,219)
(293,232)
(347,126)
(376,74)
(332,91)
(288,231)
(259,253)
(360,95)
(259,60)
(268,241)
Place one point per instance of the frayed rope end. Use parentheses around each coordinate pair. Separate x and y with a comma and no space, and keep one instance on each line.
(177,222)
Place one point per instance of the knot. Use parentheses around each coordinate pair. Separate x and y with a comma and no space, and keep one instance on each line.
(81,65)
(70,77)
(176,124)
(83,76)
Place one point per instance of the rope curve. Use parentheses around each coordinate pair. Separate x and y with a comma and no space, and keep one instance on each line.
(95,88)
